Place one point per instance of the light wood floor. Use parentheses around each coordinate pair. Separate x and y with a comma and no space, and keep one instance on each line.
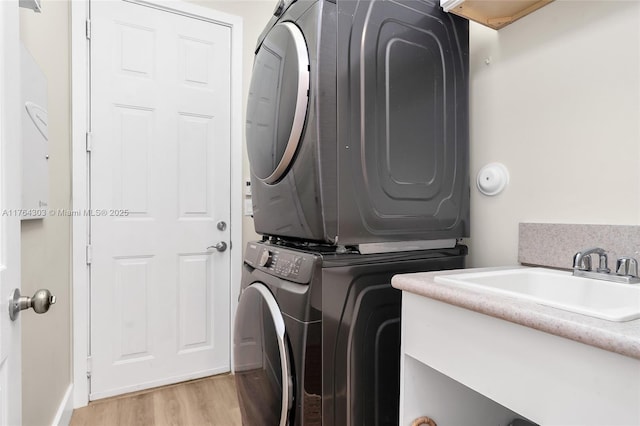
(208,401)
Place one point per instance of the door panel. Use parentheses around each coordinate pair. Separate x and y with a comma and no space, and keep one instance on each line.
(193,310)
(160,172)
(193,162)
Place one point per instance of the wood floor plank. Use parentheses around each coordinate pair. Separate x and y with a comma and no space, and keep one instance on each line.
(137,410)
(209,401)
(168,410)
(216,398)
(94,414)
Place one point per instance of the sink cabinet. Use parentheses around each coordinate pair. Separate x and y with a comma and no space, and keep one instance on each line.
(459,366)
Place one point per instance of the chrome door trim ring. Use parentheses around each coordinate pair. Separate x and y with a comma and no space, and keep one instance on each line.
(302,102)
(278,321)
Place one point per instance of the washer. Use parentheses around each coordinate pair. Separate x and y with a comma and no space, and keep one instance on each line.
(357,123)
(317,333)
(278,337)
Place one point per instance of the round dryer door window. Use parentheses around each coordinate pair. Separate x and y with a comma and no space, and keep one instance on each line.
(261,357)
(277,105)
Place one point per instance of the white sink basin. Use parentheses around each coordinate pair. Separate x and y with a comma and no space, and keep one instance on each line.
(596,298)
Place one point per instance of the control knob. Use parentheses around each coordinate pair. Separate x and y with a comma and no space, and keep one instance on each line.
(265,258)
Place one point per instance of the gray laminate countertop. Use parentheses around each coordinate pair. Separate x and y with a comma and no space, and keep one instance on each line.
(619,337)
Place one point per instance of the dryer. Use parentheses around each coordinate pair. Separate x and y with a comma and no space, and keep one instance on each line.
(357,122)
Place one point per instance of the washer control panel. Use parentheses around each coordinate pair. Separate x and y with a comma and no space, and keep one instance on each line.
(287,264)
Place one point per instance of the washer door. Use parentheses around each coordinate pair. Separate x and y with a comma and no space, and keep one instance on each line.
(261,357)
(277,104)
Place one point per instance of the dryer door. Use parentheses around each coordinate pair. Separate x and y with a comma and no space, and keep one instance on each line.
(277,105)
(262,360)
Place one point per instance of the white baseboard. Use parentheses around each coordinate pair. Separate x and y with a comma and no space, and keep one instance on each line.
(65,409)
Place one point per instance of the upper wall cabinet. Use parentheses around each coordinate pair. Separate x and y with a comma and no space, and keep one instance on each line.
(493,13)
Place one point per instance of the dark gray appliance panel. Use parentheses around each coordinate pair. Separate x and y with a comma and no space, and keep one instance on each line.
(361,334)
(402,121)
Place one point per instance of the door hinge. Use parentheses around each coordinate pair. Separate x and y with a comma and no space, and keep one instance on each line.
(89,254)
(89,141)
(88,28)
(89,367)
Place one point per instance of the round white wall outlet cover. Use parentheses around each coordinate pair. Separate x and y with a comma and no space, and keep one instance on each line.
(492,179)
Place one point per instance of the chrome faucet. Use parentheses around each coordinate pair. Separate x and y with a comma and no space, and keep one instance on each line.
(626,267)
(582,260)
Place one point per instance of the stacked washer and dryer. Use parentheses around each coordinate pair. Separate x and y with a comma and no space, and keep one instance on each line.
(357,135)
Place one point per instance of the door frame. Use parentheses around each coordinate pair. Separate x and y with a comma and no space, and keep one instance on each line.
(80,116)
(11,152)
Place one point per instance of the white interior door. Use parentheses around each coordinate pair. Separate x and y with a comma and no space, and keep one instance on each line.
(160,187)
(10,364)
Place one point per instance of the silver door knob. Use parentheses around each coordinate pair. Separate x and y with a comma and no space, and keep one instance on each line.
(222,225)
(40,302)
(221,246)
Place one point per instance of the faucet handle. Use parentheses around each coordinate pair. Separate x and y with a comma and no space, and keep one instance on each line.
(627,266)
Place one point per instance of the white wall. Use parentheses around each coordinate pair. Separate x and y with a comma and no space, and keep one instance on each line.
(559,105)
(46,339)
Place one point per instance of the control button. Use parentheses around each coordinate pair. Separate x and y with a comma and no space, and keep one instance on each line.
(265,258)
(286,270)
